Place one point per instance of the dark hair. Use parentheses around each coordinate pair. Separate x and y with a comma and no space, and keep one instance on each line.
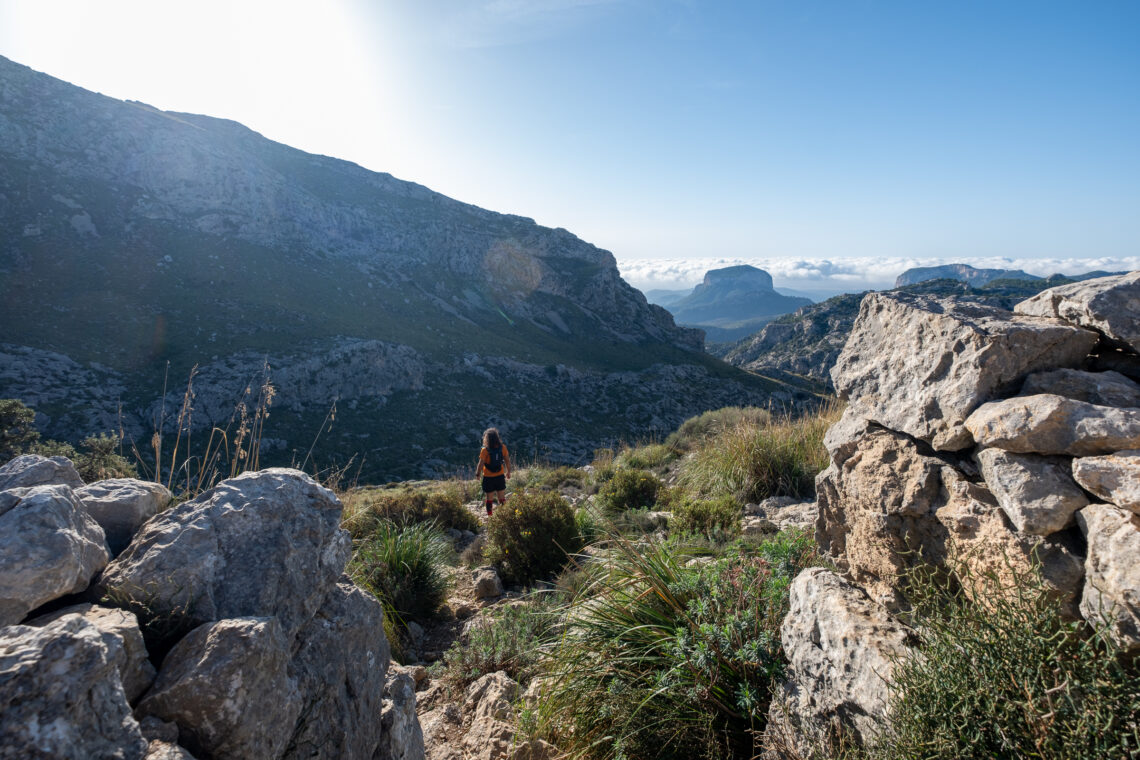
(491,439)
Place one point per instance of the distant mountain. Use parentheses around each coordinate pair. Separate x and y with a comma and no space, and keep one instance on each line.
(139,244)
(732,302)
(666,297)
(961,272)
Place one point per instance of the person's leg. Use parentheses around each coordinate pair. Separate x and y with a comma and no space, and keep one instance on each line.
(487,498)
(502,497)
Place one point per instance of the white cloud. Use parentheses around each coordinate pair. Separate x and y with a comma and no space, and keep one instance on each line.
(838,275)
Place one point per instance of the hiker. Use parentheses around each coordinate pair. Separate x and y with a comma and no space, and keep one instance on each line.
(495,467)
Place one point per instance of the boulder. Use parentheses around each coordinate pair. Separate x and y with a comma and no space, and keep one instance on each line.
(784,513)
(876,511)
(162,750)
(920,365)
(402,738)
(982,542)
(1100,388)
(226,687)
(842,648)
(49,547)
(60,694)
(263,543)
(1050,424)
(1114,478)
(488,706)
(486,582)
(1110,305)
(32,470)
(135,670)
(1036,493)
(1112,572)
(339,665)
(121,506)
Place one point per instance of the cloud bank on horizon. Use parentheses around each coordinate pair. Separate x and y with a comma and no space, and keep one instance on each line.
(848,275)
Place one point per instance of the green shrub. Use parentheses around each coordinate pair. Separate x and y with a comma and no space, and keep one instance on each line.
(1008,679)
(100,460)
(550,479)
(365,508)
(646,457)
(17,434)
(510,641)
(659,660)
(403,567)
(588,524)
(715,518)
(628,489)
(531,535)
(696,430)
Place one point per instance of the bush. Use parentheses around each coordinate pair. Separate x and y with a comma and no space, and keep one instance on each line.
(510,641)
(628,489)
(550,479)
(444,507)
(716,518)
(100,460)
(664,661)
(531,535)
(16,431)
(403,567)
(646,457)
(696,430)
(1009,679)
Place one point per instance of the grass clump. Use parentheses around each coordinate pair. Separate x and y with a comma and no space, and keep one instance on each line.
(531,535)
(511,641)
(628,489)
(403,567)
(716,518)
(659,660)
(646,457)
(1009,679)
(551,479)
(366,508)
(696,430)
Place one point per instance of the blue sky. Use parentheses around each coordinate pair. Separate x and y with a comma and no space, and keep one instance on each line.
(795,131)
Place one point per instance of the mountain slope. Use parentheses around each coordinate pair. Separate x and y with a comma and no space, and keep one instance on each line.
(733,302)
(139,243)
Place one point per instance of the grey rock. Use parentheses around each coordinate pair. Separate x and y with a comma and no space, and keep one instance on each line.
(486,582)
(60,695)
(1048,424)
(135,670)
(1110,305)
(842,649)
(34,470)
(164,750)
(49,547)
(1100,388)
(784,513)
(1112,572)
(226,687)
(263,543)
(1113,477)
(121,506)
(403,739)
(921,365)
(1036,493)
(158,730)
(488,706)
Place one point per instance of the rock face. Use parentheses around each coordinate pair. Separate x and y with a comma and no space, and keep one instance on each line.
(1112,572)
(60,694)
(403,738)
(962,272)
(1048,424)
(1036,492)
(49,547)
(121,506)
(1114,478)
(34,470)
(260,544)
(489,704)
(1110,305)
(947,358)
(1100,388)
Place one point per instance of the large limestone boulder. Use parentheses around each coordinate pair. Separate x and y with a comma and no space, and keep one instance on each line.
(49,547)
(1112,572)
(1036,493)
(1110,305)
(60,695)
(121,506)
(403,738)
(1114,478)
(263,543)
(225,685)
(339,666)
(921,365)
(32,470)
(1049,424)
(120,630)
(842,648)
(1100,388)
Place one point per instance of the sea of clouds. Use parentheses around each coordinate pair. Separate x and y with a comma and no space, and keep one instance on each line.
(826,277)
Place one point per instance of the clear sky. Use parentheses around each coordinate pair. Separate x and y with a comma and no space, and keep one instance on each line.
(667,129)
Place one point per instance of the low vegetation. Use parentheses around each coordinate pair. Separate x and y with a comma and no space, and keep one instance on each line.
(403,567)
(628,489)
(531,536)
(440,504)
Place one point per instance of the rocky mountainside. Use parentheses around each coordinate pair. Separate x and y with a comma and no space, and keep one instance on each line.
(138,244)
(732,302)
(960,272)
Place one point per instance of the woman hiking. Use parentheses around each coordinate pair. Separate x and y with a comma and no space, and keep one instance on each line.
(495,467)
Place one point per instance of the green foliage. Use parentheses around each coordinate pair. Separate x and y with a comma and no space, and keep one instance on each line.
(16,432)
(550,478)
(664,661)
(510,641)
(531,535)
(716,518)
(588,524)
(703,427)
(628,489)
(1008,679)
(366,507)
(403,567)
(646,457)
(101,460)
(52,448)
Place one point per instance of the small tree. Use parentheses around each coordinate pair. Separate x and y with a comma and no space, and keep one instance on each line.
(16,432)
(100,460)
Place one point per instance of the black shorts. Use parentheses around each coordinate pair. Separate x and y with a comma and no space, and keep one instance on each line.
(495,483)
